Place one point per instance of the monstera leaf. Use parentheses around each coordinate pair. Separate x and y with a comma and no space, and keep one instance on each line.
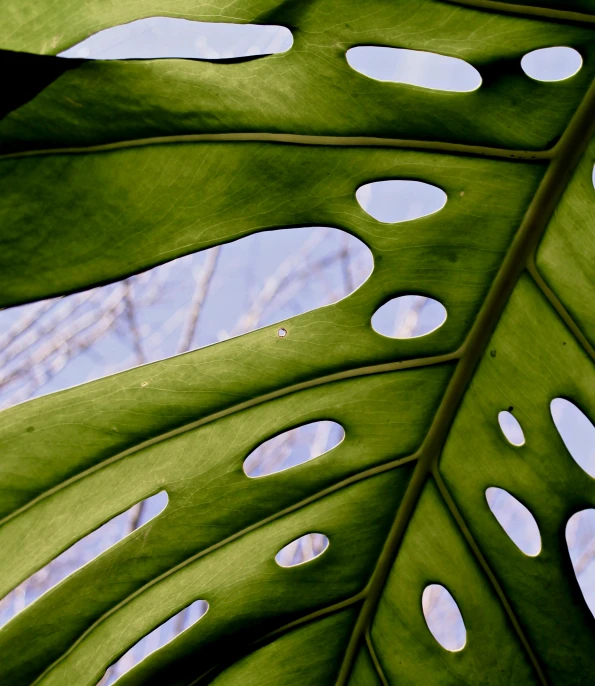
(111,167)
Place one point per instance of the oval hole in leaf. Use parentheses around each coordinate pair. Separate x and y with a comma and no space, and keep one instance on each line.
(302,550)
(163,37)
(81,553)
(577,432)
(400,201)
(552,64)
(443,617)
(293,447)
(414,67)
(516,520)
(511,428)
(159,637)
(409,316)
(580,538)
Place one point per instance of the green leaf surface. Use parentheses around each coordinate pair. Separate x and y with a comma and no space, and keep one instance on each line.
(311,89)
(110,168)
(570,241)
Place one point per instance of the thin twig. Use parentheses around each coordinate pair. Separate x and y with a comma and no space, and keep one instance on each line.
(203,282)
(131,319)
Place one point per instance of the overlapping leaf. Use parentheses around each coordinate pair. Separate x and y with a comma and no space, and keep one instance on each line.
(182,155)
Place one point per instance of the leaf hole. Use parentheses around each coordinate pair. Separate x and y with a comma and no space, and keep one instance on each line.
(81,553)
(552,64)
(577,432)
(254,281)
(293,447)
(443,618)
(169,37)
(304,549)
(409,316)
(516,520)
(580,538)
(511,428)
(162,635)
(395,201)
(415,68)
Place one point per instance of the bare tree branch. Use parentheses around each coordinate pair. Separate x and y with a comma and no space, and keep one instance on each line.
(203,282)
(346,266)
(130,315)
(46,326)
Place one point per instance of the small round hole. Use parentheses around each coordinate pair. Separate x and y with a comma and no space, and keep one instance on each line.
(552,64)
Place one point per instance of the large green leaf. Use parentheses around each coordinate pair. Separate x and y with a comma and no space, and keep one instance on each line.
(110,168)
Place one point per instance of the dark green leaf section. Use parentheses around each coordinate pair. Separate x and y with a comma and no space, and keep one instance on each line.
(123,211)
(434,551)
(248,593)
(531,360)
(26,75)
(310,89)
(587,6)
(566,256)
(364,672)
(309,655)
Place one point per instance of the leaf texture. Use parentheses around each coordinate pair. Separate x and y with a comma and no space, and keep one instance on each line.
(110,168)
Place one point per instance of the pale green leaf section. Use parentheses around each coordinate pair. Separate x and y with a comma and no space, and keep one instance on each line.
(435,551)
(565,257)
(531,359)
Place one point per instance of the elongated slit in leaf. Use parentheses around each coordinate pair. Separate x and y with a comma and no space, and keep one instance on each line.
(511,428)
(577,432)
(84,551)
(580,538)
(443,618)
(414,67)
(292,448)
(162,635)
(515,519)
(302,550)
(170,37)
